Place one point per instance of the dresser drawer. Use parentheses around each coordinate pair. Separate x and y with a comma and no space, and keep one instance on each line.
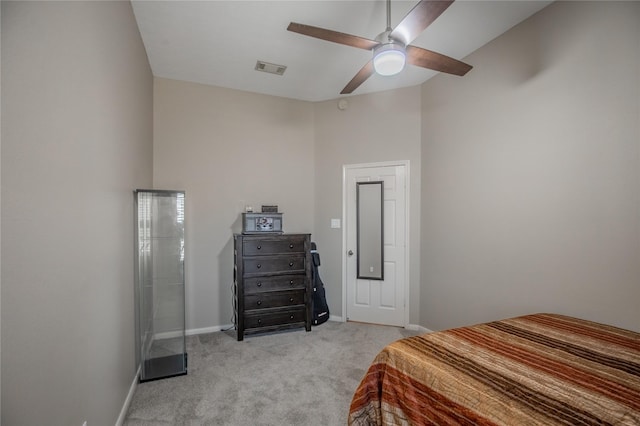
(280,317)
(274,264)
(257,247)
(274,282)
(274,299)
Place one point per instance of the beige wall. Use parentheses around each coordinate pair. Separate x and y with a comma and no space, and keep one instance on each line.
(531,173)
(227,149)
(374,128)
(76,140)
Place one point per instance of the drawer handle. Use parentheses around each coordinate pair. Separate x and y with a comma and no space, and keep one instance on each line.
(291,317)
(259,284)
(259,321)
(259,247)
(290,282)
(291,299)
(290,264)
(259,302)
(290,246)
(258,266)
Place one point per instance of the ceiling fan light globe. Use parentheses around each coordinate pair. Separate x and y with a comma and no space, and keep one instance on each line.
(389,59)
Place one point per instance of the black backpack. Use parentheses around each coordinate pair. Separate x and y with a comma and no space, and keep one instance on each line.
(319,307)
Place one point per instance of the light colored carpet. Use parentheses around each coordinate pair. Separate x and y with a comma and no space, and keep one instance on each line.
(285,378)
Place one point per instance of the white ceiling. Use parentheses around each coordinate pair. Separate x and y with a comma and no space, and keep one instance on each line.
(218,42)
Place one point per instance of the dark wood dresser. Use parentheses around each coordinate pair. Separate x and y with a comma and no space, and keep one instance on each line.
(272,282)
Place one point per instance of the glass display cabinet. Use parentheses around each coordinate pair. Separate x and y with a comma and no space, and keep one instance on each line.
(159,284)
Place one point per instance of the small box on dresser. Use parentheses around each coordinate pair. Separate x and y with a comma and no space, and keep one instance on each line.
(272,282)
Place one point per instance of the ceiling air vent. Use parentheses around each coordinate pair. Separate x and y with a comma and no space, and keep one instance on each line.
(270,68)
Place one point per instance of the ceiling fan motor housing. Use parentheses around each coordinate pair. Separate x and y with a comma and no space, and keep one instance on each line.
(389,56)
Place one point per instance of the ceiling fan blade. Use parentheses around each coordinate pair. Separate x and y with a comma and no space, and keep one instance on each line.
(334,36)
(362,75)
(436,61)
(418,19)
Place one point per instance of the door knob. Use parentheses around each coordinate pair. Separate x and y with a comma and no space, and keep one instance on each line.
(350,253)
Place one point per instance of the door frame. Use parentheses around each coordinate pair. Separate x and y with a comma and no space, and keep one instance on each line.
(407,254)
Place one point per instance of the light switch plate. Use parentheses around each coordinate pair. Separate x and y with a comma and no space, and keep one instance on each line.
(335,223)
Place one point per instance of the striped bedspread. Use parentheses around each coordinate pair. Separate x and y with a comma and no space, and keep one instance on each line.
(541,369)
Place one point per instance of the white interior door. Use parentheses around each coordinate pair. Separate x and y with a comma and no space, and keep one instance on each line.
(368,300)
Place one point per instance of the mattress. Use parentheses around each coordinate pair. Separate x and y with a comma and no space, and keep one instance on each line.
(540,369)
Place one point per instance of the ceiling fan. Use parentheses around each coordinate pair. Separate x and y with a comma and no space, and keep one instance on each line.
(391,48)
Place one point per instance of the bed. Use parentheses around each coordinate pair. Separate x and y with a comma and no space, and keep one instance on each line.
(540,369)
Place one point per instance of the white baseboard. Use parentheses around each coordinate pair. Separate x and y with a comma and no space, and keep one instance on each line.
(194,331)
(419,328)
(414,327)
(127,401)
(167,335)
(191,332)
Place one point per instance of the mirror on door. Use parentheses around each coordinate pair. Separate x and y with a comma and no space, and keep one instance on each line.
(370,238)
